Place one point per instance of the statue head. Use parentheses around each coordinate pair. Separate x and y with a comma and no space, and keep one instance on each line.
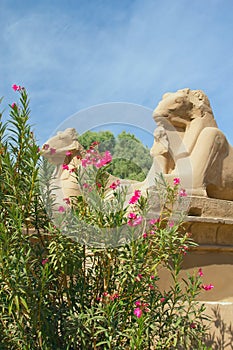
(181,107)
(56,148)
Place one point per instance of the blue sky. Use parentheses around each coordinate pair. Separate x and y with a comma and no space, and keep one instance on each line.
(73,54)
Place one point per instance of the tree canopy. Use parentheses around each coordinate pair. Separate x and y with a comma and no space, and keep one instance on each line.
(131,159)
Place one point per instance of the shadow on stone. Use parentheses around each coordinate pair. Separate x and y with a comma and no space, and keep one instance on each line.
(221,332)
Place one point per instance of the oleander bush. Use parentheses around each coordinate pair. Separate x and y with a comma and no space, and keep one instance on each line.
(91,281)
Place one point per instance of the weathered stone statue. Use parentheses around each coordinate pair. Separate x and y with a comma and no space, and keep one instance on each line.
(187,144)
(62,151)
(195,147)
(161,150)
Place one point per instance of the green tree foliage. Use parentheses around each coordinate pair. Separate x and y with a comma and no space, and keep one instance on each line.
(105,138)
(131,159)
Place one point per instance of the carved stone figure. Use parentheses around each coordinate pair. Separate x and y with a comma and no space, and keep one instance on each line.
(62,150)
(187,144)
(161,150)
(199,150)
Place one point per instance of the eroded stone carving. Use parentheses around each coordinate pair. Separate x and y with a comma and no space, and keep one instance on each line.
(161,150)
(195,144)
(187,144)
(63,149)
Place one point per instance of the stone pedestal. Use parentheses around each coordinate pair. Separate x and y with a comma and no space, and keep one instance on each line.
(210,222)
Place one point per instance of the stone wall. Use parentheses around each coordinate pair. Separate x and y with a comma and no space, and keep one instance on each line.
(210,221)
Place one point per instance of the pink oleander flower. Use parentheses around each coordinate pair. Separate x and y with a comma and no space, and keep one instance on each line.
(45,147)
(145,304)
(68,153)
(200,273)
(66,200)
(132,216)
(134,220)
(193,325)
(65,166)
(85,185)
(154,221)
(107,158)
(182,193)
(72,170)
(138,312)
(84,162)
(151,287)
(207,286)
(16,87)
(176,181)
(107,295)
(162,300)
(140,308)
(144,307)
(144,235)
(183,249)
(152,277)
(61,209)
(92,151)
(52,150)
(44,261)
(139,277)
(100,163)
(115,184)
(94,158)
(98,184)
(114,296)
(135,197)
(137,221)
(13,105)
(171,224)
